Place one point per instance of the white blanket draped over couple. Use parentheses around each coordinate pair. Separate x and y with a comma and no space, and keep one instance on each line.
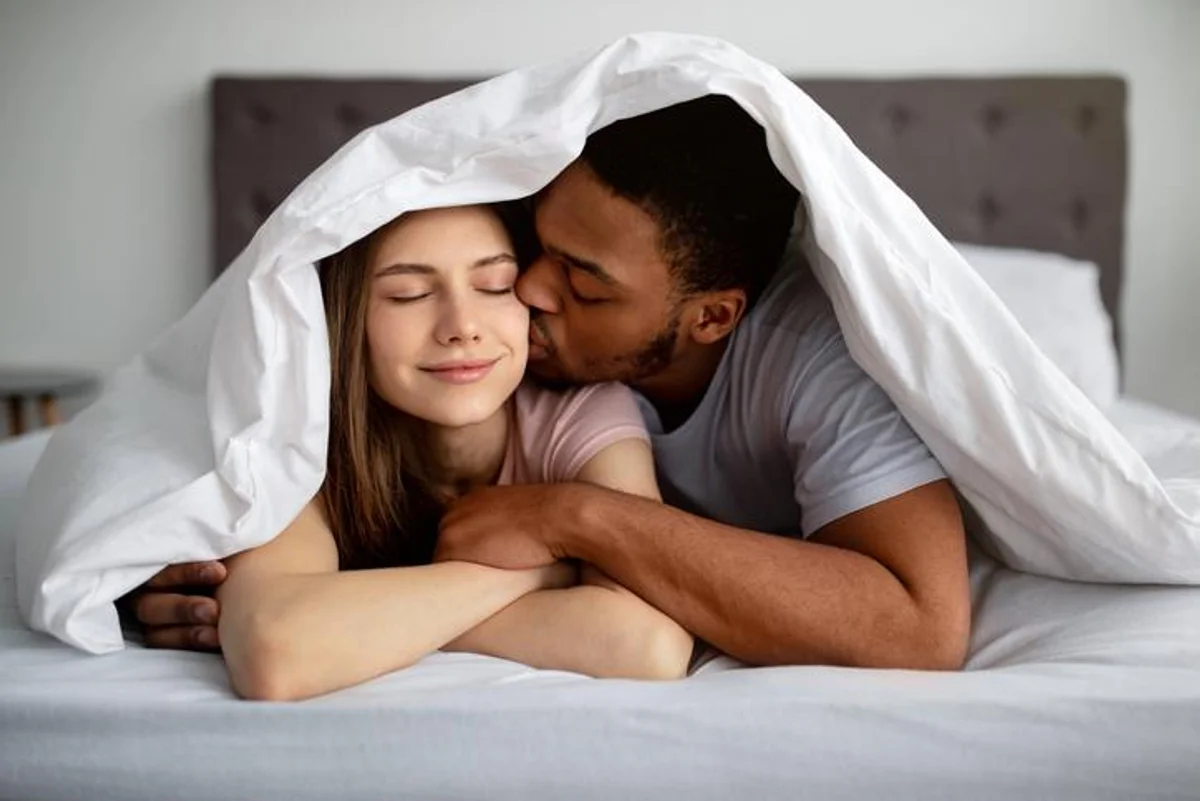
(214,439)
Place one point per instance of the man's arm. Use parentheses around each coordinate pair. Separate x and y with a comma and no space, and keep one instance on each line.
(885,586)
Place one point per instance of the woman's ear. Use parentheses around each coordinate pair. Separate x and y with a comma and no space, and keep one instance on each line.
(716,314)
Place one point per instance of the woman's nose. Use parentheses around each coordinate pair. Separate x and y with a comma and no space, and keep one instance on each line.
(457,326)
(538,286)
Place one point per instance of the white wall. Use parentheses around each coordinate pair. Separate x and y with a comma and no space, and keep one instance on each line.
(104,221)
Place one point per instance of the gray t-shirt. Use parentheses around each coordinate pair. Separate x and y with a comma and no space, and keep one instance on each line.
(791,434)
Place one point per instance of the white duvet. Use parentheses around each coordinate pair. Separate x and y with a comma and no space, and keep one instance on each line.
(212,440)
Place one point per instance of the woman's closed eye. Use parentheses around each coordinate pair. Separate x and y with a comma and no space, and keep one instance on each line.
(497,277)
(413,297)
(408,297)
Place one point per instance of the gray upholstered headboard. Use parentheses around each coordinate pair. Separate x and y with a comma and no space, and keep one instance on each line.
(1036,162)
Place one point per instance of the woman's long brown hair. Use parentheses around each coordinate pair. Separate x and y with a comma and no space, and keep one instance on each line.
(379,492)
(377,495)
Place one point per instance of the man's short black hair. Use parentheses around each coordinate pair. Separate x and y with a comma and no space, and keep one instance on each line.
(701,169)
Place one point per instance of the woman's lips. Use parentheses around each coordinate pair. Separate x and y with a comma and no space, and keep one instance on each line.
(463,372)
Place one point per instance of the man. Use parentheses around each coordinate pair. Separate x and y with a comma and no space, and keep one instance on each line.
(806,522)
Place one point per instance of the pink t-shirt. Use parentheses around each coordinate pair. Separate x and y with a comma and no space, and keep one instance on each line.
(557,433)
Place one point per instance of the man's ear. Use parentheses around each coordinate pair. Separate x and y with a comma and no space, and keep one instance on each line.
(715,315)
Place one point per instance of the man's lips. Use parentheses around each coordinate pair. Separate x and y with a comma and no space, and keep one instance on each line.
(466,371)
(539,343)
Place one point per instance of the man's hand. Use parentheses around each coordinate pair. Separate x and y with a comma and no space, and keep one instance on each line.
(176,608)
(512,527)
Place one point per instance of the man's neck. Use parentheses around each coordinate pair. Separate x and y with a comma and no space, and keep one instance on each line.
(679,389)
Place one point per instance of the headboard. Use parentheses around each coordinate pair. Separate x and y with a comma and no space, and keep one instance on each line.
(1034,162)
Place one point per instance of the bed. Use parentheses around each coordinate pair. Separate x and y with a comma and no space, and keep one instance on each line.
(1072,691)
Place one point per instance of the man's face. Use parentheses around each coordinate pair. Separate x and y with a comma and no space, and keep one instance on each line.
(601,292)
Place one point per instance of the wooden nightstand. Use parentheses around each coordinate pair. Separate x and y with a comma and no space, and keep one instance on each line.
(44,387)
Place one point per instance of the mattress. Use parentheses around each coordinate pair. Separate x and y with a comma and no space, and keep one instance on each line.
(1072,691)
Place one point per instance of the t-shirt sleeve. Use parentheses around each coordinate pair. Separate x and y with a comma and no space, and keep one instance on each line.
(850,447)
(586,421)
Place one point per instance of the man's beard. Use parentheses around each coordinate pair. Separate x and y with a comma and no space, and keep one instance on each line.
(656,355)
(649,360)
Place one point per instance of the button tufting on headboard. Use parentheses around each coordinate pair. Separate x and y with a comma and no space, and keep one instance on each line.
(260,115)
(994,117)
(1085,120)
(262,203)
(1080,214)
(988,209)
(352,118)
(899,118)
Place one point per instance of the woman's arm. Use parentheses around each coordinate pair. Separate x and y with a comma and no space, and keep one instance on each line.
(598,628)
(292,626)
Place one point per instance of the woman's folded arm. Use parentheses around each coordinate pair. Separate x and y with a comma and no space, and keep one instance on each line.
(598,628)
(292,626)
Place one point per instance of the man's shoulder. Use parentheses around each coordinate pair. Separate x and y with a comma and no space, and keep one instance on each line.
(792,327)
(793,308)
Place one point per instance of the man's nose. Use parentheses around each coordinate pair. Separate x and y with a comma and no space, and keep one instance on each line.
(538,287)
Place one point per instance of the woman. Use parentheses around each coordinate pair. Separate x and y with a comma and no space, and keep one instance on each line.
(428,344)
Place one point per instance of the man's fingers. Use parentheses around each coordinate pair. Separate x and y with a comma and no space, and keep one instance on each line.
(185,622)
(196,574)
(169,609)
(187,638)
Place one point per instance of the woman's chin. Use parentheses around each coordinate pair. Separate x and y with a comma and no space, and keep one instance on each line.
(465,420)
(461,412)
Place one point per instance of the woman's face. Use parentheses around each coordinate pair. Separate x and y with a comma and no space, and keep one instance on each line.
(447,337)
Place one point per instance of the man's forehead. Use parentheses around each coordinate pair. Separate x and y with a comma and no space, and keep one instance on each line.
(576,179)
(578,205)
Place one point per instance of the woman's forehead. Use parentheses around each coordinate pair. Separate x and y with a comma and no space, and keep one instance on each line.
(451,235)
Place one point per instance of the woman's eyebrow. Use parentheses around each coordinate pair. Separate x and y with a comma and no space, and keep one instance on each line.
(413,268)
(499,258)
(404,268)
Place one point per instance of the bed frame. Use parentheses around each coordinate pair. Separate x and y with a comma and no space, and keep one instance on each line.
(1034,162)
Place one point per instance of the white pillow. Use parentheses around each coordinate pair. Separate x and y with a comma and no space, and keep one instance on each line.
(1057,301)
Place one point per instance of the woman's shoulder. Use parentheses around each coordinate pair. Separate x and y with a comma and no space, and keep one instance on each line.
(560,430)
(557,404)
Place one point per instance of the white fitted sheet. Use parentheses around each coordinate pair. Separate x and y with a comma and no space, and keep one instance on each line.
(1073,691)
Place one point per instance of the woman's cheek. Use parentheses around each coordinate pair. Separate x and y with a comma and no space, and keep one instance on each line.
(520,320)
(393,331)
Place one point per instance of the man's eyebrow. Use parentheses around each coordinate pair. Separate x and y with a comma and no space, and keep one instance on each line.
(589,267)
(409,268)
